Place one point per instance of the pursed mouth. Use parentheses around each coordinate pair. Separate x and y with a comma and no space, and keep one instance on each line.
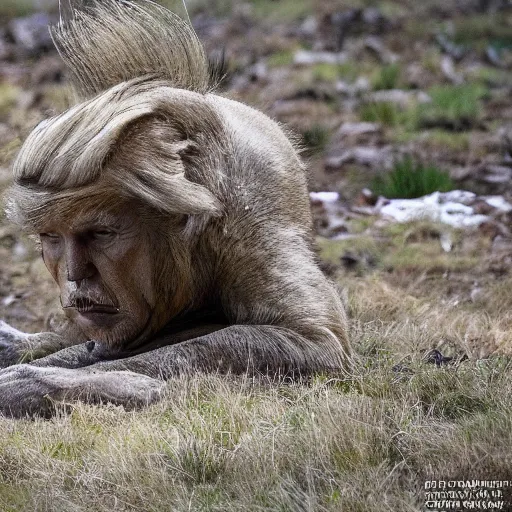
(85,306)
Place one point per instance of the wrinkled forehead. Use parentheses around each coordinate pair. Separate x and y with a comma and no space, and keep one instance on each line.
(86,216)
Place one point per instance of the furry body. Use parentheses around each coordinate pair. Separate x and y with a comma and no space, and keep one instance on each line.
(225,270)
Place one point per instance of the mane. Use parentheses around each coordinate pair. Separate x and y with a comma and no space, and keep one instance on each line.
(106,42)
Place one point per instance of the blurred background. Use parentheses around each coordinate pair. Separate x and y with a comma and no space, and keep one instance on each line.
(392,98)
(429,79)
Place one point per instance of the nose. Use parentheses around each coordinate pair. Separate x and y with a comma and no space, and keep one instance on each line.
(78,264)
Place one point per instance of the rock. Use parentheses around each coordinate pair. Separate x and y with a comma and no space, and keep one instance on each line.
(417,77)
(360,86)
(355,129)
(505,138)
(6,49)
(308,27)
(399,97)
(362,155)
(498,203)
(31,34)
(435,207)
(329,214)
(495,174)
(48,69)
(448,70)
(458,196)
(258,72)
(376,45)
(28,99)
(366,198)
(493,57)
(324,197)
(309,58)
(491,229)
(335,28)
(453,50)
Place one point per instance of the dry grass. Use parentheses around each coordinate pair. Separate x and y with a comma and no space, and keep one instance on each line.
(363,444)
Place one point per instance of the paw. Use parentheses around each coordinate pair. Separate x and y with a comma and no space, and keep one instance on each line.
(11,341)
(27,390)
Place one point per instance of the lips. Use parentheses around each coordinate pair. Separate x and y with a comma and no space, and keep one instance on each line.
(87,306)
(98,308)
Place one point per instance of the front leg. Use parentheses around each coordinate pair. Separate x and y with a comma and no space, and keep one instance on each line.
(267,349)
(26,390)
(238,349)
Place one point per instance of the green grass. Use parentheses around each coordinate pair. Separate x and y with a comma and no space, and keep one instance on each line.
(269,10)
(387,77)
(325,72)
(8,96)
(435,139)
(283,10)
(380,112)
(409,180)
(280,59)
(15,8)
(453,107)
(481,30)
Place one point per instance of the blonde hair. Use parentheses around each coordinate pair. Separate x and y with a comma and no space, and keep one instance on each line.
(113,41)
(138,64)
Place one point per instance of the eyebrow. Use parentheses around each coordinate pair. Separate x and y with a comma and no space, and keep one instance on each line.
(88,220)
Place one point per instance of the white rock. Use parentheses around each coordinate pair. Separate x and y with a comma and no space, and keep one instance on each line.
(358,128)
(308,58)
(325,197)
(434,207)
(499,203)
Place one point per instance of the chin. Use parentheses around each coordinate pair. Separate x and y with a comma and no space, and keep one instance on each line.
(114,332)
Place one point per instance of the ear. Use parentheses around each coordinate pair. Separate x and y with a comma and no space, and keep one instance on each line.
(171,158)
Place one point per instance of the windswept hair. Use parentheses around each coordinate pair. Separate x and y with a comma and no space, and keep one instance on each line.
(113,41)
(142,74)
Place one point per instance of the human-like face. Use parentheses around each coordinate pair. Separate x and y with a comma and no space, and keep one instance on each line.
(102,264)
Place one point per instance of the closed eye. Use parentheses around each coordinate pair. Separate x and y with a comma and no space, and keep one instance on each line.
(102,234)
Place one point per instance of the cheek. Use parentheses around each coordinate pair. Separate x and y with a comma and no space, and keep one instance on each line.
(51,261)
(129,276)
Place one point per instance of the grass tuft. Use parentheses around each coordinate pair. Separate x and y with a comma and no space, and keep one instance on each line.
(408,180)
(453,107)
(387,77)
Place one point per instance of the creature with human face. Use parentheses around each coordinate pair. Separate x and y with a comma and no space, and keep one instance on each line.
(175,222)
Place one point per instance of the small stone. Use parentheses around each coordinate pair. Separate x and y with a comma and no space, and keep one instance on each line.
(354,129)
(31,33)
(309,58)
